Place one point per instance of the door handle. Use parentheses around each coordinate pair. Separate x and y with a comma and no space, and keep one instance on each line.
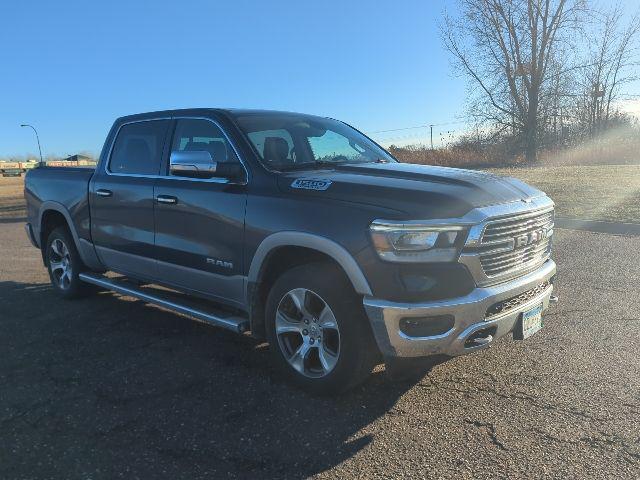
(168,199)
(104,193)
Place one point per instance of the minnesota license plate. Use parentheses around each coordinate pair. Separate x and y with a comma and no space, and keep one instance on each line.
(531,321)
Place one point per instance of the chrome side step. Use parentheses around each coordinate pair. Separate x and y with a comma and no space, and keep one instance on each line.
(218,318)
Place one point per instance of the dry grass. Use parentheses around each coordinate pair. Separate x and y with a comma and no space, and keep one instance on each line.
(617,146)
(461,157)
(471,157)
(12,205)
(598,192)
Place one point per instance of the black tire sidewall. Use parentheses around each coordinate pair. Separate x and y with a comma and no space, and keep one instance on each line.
(76,287)
(357,349)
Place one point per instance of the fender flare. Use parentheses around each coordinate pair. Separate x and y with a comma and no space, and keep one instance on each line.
(315,242)
(57,207)
(85,248)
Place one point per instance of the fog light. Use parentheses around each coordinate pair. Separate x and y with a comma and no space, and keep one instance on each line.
(426,326)
(481,338)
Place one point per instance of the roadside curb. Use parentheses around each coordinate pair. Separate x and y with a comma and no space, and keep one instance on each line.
(599,226)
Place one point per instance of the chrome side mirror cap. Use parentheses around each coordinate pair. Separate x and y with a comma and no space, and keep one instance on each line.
(194,164)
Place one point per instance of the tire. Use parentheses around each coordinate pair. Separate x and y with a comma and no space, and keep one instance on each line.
(321,351)
(64,265)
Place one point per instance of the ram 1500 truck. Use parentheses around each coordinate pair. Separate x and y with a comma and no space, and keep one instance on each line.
(303,231)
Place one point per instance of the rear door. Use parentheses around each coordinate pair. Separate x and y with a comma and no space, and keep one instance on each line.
(200,222)
(122,202)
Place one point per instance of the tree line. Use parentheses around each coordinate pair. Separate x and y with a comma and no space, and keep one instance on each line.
(543,73)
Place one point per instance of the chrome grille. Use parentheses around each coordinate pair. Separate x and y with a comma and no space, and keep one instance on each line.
(500,254)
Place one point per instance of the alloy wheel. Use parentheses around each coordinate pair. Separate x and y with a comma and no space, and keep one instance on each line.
(60,264)
(308,333)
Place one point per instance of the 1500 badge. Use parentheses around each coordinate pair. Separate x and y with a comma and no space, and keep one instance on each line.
(311,184)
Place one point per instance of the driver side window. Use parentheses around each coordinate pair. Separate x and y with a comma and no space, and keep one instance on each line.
(202,135)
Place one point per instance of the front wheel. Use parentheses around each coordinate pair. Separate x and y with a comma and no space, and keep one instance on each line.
(318,331)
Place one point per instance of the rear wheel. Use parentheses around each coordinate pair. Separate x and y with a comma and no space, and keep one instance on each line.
(317,329)
(64,264)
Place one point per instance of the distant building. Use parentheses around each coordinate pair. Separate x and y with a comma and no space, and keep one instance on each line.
(78,158)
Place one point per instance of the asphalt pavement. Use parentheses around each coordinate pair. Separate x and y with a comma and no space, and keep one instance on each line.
(107,387)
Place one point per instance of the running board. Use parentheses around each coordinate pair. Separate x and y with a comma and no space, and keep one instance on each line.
(219,318)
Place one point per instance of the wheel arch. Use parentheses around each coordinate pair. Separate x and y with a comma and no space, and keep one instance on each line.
(52,215)
(284,250)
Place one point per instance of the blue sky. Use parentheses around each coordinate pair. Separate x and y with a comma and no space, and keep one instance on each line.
(72,67)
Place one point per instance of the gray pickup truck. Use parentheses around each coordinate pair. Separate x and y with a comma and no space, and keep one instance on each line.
(302,231)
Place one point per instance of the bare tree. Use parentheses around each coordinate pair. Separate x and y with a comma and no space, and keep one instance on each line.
(506,49)
(611,63)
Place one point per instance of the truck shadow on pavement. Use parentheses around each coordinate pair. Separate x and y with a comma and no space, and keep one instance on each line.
(109,386)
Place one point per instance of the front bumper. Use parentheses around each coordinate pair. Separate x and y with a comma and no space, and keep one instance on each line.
(469,314)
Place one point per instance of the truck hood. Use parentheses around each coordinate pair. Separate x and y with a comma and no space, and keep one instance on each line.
(419,191)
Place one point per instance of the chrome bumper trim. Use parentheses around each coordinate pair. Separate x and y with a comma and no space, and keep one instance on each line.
(469,313)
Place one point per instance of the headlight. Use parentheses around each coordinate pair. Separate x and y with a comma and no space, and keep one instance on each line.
(416,243)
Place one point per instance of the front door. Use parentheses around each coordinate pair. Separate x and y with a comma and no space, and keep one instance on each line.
(199,223)
(121,199)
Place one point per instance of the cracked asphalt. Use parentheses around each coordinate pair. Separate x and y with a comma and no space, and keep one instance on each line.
(108,387)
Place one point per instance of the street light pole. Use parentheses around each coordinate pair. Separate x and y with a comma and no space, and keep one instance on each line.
(37,138)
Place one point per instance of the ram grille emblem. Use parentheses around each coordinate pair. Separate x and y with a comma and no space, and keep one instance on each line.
(530,238)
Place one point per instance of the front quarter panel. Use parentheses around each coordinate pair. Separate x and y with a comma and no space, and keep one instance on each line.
(338,225)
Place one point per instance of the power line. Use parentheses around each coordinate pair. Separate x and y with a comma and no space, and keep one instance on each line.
(418,126)
(431,125)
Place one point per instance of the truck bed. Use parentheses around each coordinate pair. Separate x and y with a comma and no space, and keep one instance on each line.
(67,186)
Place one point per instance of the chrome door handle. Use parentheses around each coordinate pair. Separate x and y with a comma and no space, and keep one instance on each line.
(104,193)
(168,199)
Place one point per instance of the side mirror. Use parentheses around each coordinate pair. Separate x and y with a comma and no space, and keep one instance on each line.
(194,164)
(230,170)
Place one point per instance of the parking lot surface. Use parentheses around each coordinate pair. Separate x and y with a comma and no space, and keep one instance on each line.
(107,387)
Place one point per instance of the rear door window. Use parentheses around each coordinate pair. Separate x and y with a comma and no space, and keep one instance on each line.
(138,148)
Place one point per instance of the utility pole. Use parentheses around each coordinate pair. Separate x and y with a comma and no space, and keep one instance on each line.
(431,128)
(37,138)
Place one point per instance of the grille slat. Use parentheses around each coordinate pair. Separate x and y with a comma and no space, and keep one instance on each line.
(505,231)
(525,264)
(505,224)
(499,257)
(496,233)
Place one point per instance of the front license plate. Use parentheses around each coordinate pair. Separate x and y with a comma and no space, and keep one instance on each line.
(531,321)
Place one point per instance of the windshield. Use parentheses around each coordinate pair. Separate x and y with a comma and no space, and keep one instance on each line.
(287,141)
